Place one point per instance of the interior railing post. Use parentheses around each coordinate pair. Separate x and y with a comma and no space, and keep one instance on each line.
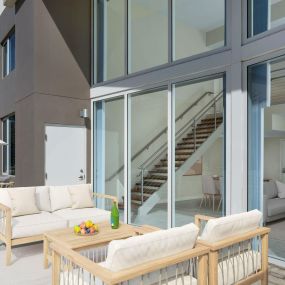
(194,133)
(215,114)
(142,182)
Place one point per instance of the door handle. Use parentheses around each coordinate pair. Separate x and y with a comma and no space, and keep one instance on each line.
(81,177)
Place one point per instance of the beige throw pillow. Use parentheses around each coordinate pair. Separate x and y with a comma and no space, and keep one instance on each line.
(80,196)
(23,201)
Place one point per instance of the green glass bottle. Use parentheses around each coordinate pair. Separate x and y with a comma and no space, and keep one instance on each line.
(115,216)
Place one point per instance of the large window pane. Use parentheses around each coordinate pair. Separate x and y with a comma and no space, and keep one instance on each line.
(198,26)
(149,158)
(5,147)
(199,144)
(266,148)
(109,150)
(264,15)
(110,28)
(148,34)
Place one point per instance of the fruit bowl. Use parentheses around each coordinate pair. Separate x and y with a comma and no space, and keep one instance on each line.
(87,228)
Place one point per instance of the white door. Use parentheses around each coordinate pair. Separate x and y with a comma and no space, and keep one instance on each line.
(65,155)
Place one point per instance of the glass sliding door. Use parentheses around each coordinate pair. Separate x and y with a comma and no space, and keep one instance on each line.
(199,145)
(109,150)
(148,34)
(266,148)
(148,165)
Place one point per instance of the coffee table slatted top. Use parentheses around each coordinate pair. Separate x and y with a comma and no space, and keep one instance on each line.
(105,235)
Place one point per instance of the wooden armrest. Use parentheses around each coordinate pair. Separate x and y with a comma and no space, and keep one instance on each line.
(8,223)
(113,198)
(200,218)
(5,208)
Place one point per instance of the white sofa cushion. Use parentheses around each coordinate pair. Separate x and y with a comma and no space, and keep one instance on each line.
(25,226)
(80,196)
(281,189)
(59,198)
(42,198)
(5,198)
(23,201)
(221,228)
(123,254)
(76,216)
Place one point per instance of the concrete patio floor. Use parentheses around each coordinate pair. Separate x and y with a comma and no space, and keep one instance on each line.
(27,268)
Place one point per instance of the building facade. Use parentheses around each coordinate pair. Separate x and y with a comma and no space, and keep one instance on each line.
(188,115)
(44,84)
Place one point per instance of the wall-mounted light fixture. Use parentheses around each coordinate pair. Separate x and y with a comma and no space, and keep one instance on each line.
(84,113)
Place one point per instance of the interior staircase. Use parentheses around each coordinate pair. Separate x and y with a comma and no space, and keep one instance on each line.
(186,147)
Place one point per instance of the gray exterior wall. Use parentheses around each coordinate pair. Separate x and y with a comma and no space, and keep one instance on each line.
(51,81)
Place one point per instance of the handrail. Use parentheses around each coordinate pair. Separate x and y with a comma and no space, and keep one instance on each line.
(183,129)
(160,134)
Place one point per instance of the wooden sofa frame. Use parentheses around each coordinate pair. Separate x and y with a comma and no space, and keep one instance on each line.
(113,278)
(215,247)
(6,234)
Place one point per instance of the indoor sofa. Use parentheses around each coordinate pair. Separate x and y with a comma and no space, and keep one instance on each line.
(28,212)
(273,205)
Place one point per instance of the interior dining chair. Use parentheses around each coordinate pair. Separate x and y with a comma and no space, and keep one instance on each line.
(210,191)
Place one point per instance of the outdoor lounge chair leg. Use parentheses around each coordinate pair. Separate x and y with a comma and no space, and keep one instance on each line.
(264,261)
(8,253)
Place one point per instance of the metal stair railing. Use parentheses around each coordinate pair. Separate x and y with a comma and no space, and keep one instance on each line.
(164,131)
(192,123)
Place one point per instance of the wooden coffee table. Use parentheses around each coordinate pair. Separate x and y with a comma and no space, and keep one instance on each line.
(67,238)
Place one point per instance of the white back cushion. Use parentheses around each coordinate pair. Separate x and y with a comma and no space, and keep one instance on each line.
(5,198)
(80,196)
(123,254)
(221,228)
(23,201)
(43,199)
(59,198)
(281,189)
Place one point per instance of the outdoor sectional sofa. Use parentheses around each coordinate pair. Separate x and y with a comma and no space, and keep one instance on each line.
(28,212)
(230,250)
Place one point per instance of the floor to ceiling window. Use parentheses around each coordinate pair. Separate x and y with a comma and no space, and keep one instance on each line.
(147,127)
(266,148)
(136,35)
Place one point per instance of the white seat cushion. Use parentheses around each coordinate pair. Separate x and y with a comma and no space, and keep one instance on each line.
(76,216)
(123,254)
(43,199)
(59,198)
(221,228)
(25,226)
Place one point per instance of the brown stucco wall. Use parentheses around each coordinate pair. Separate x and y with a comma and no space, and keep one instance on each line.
(50,83)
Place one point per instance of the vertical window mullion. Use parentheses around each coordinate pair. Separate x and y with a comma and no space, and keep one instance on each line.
(170,31)
(171,152)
